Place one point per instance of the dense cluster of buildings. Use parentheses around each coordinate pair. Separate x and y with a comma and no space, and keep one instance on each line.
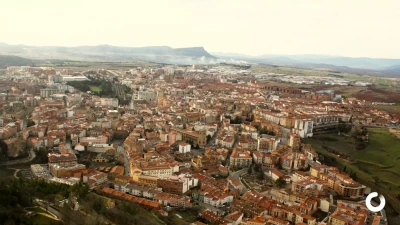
(184,138)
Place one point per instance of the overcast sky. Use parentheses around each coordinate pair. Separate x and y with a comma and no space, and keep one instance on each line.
(360,28)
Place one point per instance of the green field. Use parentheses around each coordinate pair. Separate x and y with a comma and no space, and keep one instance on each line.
(95,88)
(338,143)
(380,160)
(382,149)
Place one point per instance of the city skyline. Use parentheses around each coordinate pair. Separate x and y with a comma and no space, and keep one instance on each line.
(337,28)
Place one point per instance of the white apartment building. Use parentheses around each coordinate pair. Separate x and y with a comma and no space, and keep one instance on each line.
(303,127)
(109,102)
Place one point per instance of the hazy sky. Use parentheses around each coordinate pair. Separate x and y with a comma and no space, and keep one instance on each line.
(367,28)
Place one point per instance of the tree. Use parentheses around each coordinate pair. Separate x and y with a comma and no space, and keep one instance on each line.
(344,169)
(257,168)
(237,120)
(208,138)
(264,130)
(3,150)
(30,123)
(261,175)
(250,170)
(354,176)
(281,183)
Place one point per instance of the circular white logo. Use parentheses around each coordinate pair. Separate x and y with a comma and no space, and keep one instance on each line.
(373,208)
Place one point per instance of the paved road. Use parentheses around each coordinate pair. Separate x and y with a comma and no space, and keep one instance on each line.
(285,135)
(31,156)
(238,173)
(238,176)
(120,149)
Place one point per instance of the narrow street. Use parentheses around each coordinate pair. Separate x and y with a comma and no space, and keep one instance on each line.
(121,150)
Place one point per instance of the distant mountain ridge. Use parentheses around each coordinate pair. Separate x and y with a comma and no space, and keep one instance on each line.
(164,54)
(195,55)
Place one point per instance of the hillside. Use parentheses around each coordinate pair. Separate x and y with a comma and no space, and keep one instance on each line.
(193,52)
(9,60)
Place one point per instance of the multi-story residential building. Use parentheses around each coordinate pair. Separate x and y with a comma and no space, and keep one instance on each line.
(109,102)
(63,160)
(247,143)
(94,178)
(89,141)
(275,174)
(294,142)
(176,185)
(47,92)
(184,147)
(268,144)
(303,127)
(267,159)
(225,141)
(348,213)
(195,137)
(155,169)
(294,160)
(147,95)
(351,190)
(240,159)
(317,170)
(173,200)
(61,171)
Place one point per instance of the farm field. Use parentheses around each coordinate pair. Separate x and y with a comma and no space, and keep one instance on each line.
(383,89)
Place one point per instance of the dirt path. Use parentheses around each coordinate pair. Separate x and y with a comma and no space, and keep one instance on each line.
(16,172)
(47,214)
